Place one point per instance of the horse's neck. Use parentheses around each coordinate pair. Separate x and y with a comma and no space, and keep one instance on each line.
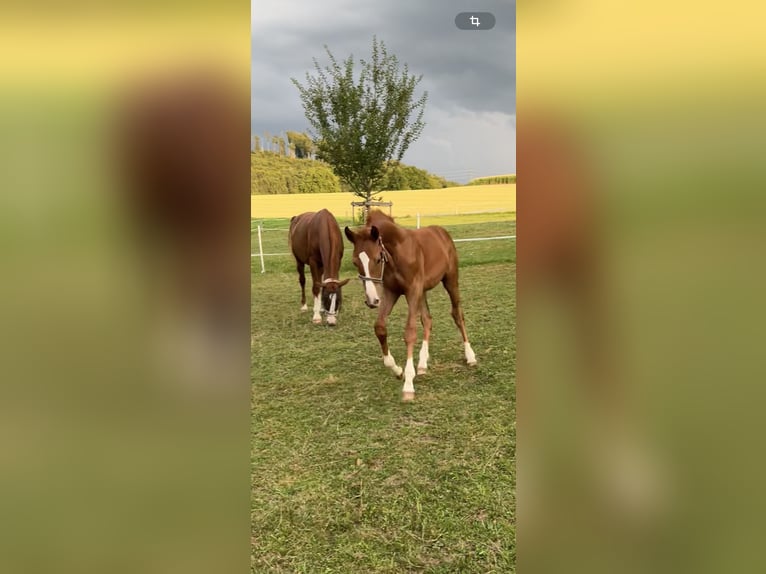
(392,236)
(329,252)
(389,230)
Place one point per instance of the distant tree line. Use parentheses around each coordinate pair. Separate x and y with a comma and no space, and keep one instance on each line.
(295,144)
(274,173)
(287,165)
(495,179)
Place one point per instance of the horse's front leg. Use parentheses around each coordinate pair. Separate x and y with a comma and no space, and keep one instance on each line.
(316,288)
(410,337)
(381,331)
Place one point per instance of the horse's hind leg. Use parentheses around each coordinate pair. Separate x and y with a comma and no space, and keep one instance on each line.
(302,280)
(451,285)
(425,319)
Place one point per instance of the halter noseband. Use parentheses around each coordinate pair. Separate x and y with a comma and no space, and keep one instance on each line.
(383,259)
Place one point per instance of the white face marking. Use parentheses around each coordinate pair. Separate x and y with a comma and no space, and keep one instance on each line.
(333,296)
(369,286)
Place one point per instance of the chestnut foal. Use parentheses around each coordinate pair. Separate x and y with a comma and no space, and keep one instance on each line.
(407,262)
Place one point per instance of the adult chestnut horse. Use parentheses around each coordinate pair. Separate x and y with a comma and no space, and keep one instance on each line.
(407,262)
(315,240)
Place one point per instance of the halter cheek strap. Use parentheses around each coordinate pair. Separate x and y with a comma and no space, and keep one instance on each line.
(383,259)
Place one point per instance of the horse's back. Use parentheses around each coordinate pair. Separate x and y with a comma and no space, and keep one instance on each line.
(324,226)
(310,231)
(298,236)
(439,253)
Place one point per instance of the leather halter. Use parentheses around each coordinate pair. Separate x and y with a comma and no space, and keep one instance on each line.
(383,259)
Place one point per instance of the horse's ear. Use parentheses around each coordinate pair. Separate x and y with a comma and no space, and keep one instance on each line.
(342,283)
(374,233)
(349,234)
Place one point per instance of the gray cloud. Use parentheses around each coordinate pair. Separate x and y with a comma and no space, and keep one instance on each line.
(470,76)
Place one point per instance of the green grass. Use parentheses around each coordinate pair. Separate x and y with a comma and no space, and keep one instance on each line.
(346,477)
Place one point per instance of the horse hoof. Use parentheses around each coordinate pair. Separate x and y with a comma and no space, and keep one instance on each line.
(408,397)
(317,321)
(422,371)
(304,308)
(472,363)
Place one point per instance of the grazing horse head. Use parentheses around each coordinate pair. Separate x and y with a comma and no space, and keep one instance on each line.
(332,298)
(370,257)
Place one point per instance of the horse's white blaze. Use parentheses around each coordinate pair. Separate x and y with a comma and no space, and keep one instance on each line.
(409,376)
(369,286)
(388,361)
(317,307)
(423,360)
(333,296)
(470,356)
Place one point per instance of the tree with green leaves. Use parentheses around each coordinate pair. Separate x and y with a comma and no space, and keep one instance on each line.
(361,120)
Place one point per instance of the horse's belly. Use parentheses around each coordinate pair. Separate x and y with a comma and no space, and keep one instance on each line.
(433,278)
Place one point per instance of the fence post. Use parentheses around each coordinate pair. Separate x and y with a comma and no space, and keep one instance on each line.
(418,220)
(260,250)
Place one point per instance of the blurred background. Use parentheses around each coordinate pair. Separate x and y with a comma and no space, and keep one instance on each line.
(125,360)
(124,298)
(640,268)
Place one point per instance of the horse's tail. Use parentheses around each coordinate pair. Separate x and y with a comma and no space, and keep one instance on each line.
(290,232)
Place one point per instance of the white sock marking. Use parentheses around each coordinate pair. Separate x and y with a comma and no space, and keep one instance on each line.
(369,286)
(388,361)
(470,357)
(409,376)
(317,306)
(423,359)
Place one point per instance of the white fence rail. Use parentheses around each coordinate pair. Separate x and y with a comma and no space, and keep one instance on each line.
(261,255)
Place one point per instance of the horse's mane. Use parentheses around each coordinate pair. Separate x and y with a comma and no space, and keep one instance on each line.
(376,214)
(388,227)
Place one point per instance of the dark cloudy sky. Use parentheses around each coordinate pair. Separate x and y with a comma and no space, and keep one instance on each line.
(470,75)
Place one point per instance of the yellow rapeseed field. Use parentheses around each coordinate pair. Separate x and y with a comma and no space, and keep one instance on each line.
(464,199)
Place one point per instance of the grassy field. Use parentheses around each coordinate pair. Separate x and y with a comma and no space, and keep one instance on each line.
(463,199)
(348,479)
